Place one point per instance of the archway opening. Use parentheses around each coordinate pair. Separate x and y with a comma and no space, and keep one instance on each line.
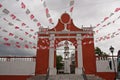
(65,57)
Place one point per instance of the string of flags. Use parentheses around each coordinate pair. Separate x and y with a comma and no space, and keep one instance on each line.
(45,45)
(47,12)
(19,45)
(108,36)
(15,18)
(12,43)
(20,29)
(105,19)
(32,17)
(7,40)
(71,5)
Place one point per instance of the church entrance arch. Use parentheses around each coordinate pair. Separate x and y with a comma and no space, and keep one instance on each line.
(64,30)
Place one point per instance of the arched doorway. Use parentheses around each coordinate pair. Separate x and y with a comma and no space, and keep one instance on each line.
(65,57)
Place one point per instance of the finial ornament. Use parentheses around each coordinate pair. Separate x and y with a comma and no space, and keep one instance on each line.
(65,19)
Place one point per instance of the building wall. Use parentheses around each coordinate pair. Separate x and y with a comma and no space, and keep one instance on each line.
(42,58)
(105,67)
(14,77)
(89,59)
(105,64)
(106,75)
(17,68)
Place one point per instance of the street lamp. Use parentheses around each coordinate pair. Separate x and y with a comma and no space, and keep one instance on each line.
(112,50)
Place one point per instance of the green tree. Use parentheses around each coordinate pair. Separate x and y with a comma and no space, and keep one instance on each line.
(59,65)
(100,52)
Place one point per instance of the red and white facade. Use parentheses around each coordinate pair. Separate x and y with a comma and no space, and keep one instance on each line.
(83,41)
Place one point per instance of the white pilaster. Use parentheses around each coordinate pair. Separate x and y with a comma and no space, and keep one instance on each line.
(78,69)
(52,70)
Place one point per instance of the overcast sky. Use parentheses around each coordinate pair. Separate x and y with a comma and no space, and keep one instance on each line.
(85,12)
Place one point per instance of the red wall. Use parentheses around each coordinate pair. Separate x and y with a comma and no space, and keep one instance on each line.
(13,77)
(106,75)
(42,58)
(89,59)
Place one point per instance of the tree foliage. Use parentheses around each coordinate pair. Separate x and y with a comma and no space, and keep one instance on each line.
(59,65)
(99,52)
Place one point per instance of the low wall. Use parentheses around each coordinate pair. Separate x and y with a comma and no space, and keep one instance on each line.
(105,64)
(17,66)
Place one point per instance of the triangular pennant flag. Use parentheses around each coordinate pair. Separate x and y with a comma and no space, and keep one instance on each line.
(16,27)
(111,14)
(38,24)
(117,33)
(26,46)
(23,24)
(30,42)
(15,37)
(71,9)
(17,42)
(35,20)
(0,5)
(119,29)
(47,10)
(71,2)
(48,15)
(11,24)
(5,11)
(103,25)
(23,5)
(31,16)
(7,44)
(31,30)
(114,21)
(97,24)
(34,37)
(6,39)
(18,19)
(44,4)
(11,34)
(4,30)
(117,9)
(21,38)
(108,23)
(106,18)
(34,47)
(118,17)
(13,16)
(27,11)
(26,33)
(50,20)
(18,46)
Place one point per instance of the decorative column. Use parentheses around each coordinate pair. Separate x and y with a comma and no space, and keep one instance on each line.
(52,70)
(78,69)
